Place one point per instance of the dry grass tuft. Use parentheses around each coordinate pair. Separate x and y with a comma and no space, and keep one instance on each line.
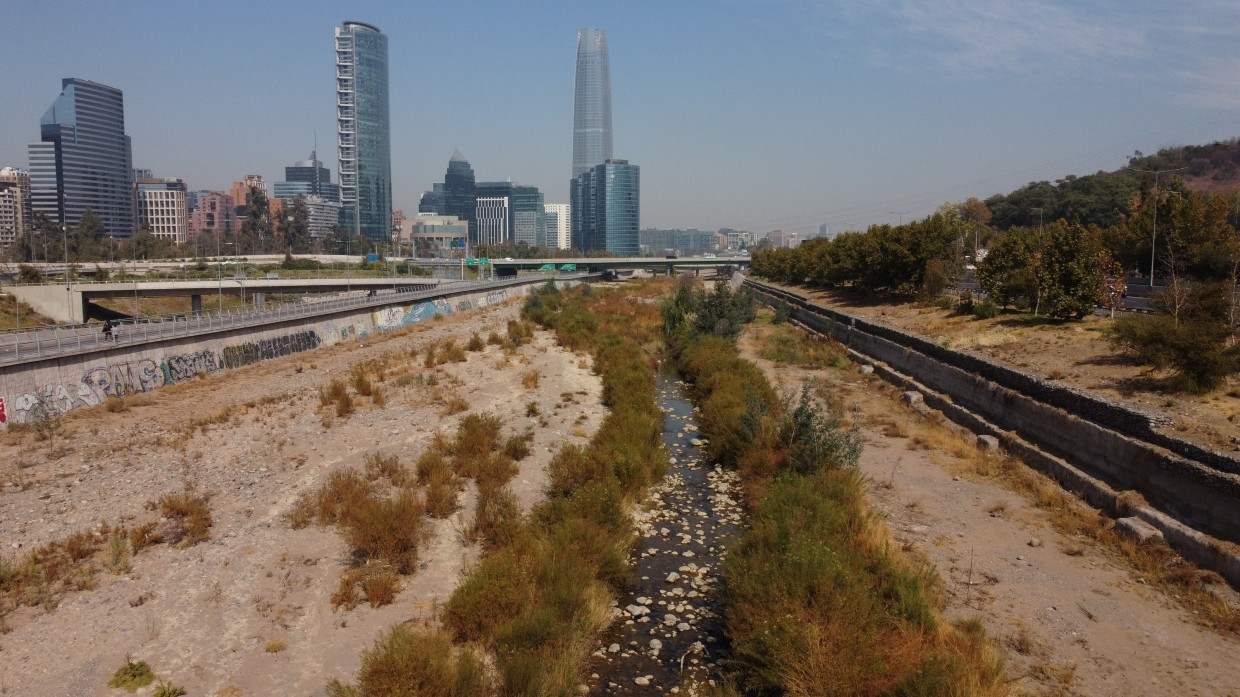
(275,646)
(529,379)
(187,517)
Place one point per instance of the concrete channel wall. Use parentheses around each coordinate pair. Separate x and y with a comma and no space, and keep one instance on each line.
(1106,442)
(61,383)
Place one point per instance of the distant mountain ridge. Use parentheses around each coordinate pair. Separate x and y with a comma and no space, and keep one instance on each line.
(1103,197)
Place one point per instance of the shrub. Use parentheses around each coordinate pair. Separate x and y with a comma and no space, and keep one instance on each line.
(167,689)
(387,467)
(1196,340)
(985,309)
(529,379)
(388,530)
(494,339)
(783,311)
(132,675)
(441,491)
(475,343)
(517,447)
(188,515)
(361,381)
(403,662)
(344,490)
(275,646)
(432,464)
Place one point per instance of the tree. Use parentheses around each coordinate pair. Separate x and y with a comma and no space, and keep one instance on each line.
(255,233)
(1070,270)
(1007,273)
(296,226)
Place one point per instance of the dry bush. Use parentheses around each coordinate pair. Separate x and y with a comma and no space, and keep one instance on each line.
(494,339)
(517,447)
(430,360)
(378,397)
(529,379)
(275,646)
(432,464)
(454,405)
(388,530)
(475,343)
(361,382)
(116,405)
(387,467)
(403,662)
(344,406)
(187,517)
(496,516)
(344,490)
(143,536)
(441,491)
(449,352)
(381,587)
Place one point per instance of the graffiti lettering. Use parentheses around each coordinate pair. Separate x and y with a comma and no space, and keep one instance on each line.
(266,349)
(188,366)
(4,418)
(122,379)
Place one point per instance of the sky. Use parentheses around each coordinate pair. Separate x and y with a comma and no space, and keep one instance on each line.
(780,114)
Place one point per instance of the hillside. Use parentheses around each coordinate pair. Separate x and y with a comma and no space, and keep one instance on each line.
(1102,197)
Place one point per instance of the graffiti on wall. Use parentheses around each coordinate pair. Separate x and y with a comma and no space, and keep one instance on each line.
(135,377)
(267,349)
(399,316)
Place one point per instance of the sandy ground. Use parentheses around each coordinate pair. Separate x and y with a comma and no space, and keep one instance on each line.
(1070,616)
(1076,353)
(202,616)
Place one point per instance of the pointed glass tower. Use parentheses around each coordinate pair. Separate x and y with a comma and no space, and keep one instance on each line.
(591,102)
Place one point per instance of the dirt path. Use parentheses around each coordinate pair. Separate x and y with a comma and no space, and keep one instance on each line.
(210,617)
(1072,618)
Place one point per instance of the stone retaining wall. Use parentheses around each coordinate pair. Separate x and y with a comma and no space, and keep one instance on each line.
(1105,440)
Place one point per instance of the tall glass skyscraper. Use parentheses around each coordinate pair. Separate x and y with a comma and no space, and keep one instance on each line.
(84,159)
(606,208)
(363,124)
(591,101)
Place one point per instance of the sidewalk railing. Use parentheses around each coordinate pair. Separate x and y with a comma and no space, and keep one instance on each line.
(19,345)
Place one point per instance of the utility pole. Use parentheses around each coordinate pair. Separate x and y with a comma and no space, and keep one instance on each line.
(1154,227)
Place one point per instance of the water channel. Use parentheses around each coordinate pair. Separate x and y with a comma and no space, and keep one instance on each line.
(668,631)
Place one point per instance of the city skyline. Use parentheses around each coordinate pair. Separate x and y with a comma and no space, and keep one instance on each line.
(797,114)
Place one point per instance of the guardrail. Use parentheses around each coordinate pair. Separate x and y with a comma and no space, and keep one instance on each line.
(20,345)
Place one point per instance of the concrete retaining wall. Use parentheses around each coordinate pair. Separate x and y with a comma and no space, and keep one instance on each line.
(1099,437)
(59,384)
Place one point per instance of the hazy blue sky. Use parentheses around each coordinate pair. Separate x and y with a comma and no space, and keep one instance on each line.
(756,115)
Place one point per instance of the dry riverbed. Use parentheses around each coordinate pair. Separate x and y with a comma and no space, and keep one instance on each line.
(248,612)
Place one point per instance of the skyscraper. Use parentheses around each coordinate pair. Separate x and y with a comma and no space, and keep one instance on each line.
(591,101)
(459,192)
(84,159)
(364,129)
(606,208)
(307,178)
(509,213)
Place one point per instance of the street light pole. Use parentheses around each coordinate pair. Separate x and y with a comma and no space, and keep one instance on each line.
(219,267)
(1154,227)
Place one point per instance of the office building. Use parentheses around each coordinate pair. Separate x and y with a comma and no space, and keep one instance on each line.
(591,102)
(242,190)
(83,159)
(364,130)
(215,217)
(508,213)
(559,225)
(439,236)
(307,178)
(606,204)
(430,203)
(458,194)
(16,216)
(322,216)
(161,206)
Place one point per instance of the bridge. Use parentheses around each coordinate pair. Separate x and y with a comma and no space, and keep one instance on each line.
(509,267)
(72,302)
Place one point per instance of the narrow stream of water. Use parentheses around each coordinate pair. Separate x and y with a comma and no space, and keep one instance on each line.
(669,631)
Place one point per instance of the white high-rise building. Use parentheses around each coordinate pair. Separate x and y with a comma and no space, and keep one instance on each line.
(15,215)
(161,206)
(559,225)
